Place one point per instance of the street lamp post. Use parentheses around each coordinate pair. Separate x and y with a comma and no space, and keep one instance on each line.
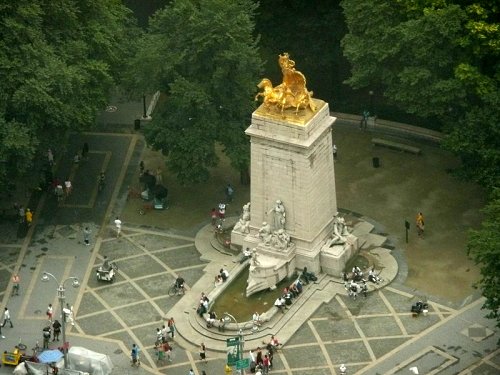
(372,110)
(61,294)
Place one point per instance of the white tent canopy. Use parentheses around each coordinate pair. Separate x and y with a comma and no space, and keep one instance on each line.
(80,360)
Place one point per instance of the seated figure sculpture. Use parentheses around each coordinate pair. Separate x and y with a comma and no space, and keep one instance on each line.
(243,223)
(340,232)
(265,233)
(280,239)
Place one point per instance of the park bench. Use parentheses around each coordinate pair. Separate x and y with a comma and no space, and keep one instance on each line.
(395,145)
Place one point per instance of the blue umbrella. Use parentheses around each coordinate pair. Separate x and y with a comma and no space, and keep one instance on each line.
(49,356)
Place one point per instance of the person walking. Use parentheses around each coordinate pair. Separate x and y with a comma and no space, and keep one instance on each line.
(203,352)
(135,355)
(6,318)
(171,326)
(16,280)
(68,187)
(229,193)
(68,314)
(86,236)
(57,330)
(21,214)
(29,217)
(85,151)
(46,337)
(50,157)
(50,312)
(159,176)
(334,148)
(118,225)
(420,224)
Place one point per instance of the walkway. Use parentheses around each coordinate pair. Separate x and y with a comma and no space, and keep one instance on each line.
(376,335)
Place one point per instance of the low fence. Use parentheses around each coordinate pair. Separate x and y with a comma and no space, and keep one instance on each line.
(390,127)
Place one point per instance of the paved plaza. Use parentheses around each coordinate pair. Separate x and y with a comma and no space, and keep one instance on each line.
(372,335)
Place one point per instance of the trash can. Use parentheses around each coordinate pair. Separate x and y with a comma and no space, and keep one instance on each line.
(137,124)
(376,162)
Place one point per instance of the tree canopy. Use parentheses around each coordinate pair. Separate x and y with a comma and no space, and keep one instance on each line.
(484,248)
(438,59)
(203,57)
(58,61)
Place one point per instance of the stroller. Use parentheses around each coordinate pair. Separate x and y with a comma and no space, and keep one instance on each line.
(107,271)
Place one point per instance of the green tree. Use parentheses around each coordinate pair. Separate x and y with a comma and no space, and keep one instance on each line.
(440,58)
(58,62)
(484,249)
(437,59)
(203,58)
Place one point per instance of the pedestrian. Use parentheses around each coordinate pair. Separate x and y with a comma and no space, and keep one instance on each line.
(29,217)
(203,352)
(334,152)
(141,167)
(16,280)
(203,372)
(420,224)
(118,224)
(22,214)
(168,351)
(364,120)
(85,151)
(50,157)
(213,216)
(50,312)
(57,329)
(191,372)
(171,326)
(68,187)
(6,318)
(164,333)
(265,363)
(46,337)
(136,361)
(86,236)
(159,177)
(159,336)
(1,335)
(68,314)
(229,193)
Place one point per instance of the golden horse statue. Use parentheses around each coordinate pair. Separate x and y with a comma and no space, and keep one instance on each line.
(291,93)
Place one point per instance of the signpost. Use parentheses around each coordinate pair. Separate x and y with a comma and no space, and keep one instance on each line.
(243,363)
(233,351)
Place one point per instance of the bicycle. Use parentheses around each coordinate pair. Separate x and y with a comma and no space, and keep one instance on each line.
(145,208)
(133,193)
(174,289)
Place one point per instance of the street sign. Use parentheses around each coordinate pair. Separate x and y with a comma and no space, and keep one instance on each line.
(233,350)
(243,363)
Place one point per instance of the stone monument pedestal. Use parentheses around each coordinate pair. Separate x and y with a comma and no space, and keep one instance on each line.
(270,267)
(334,258)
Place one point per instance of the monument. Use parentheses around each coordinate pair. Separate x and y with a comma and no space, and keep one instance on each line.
(294,221)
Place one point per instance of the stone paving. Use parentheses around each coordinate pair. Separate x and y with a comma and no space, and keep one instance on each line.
(376,335)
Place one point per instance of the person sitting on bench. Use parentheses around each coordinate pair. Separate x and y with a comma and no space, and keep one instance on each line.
(308,276)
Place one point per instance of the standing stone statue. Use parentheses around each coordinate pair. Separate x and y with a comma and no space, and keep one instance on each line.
(279,218)
(255,261)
